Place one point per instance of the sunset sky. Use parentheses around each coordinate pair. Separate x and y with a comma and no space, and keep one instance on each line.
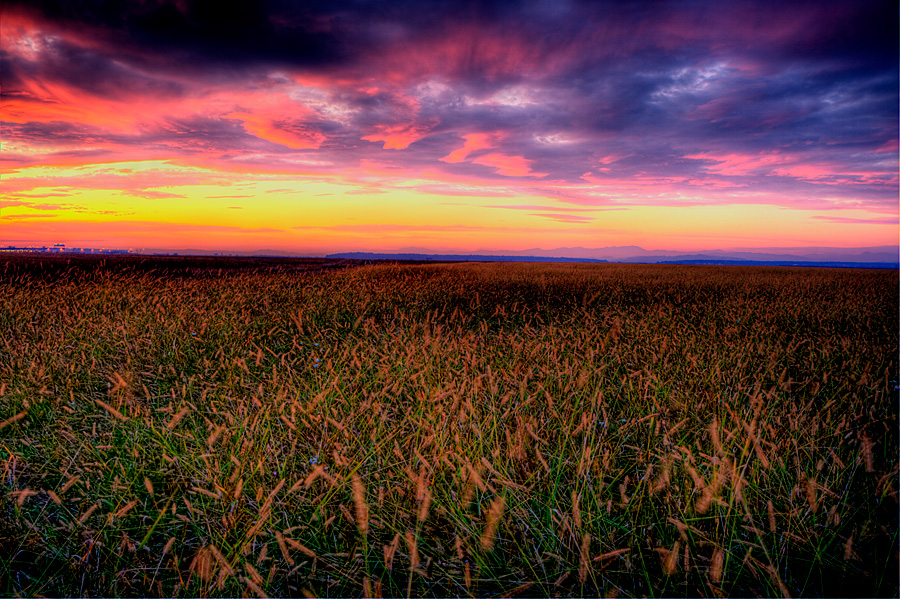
(346,125)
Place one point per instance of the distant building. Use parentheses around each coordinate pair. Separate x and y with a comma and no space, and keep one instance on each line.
(60,248)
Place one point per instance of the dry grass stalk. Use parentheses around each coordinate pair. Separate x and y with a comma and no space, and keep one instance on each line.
(206,492)
(213,437)
(610,555)
(809,486)
(662,481)
(519,589)
(279,538)
(301,548)
(849,553)
(117,383)
(267,506)
(318,472)
(68,485)
(359,500)
(777,579)
(682,528)
(716,566)
(254,574)
(757,445)
(202,564)
(710,492)
(389,551)
(576,511)
(111,409)
(177,418)
(221,560)
(669,558)
(868,457)
(125,509)
(424,504)
(252,585)
(584,562)
(12,419)
(584,461)
(87,514)
(492,522)
(413,550)
(714,435)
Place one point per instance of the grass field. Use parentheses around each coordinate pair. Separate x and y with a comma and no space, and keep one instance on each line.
(446,430)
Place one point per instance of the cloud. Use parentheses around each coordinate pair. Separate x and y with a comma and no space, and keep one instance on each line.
(591,105)
(549,208)
(886,220)
(473,143)
(398,137)
(150,194)
(565,218)
(508,166)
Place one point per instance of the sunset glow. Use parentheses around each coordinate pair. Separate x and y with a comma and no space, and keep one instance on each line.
(324,127)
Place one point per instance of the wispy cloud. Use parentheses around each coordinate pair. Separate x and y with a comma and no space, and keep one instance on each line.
(888,220)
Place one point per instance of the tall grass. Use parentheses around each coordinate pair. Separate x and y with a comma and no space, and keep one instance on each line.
(464,429)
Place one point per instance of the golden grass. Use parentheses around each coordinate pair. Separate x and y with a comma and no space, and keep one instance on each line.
(463,429)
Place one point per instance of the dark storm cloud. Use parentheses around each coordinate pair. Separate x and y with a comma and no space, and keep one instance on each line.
(84,68)
(332,32)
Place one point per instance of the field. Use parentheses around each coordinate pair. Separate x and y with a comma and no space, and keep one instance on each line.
(179,428)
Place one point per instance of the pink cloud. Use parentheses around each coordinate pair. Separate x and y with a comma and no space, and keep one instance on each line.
(140,184)
(565,218)
(739,165)
(398,137)
(887,220)
(804,171)
(548,208)
(508,166)
(149,194)
(473,143)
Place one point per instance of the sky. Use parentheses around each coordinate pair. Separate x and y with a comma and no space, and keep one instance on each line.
(342,125)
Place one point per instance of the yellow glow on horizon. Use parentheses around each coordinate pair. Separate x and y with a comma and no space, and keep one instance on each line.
(366,209)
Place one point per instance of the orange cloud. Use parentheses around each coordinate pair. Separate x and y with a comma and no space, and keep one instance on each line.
(291,133)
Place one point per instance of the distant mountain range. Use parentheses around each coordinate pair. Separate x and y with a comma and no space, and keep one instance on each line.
(883,256)
(633,253)
(867,257)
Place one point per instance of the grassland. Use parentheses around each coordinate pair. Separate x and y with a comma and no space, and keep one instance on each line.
(447,430)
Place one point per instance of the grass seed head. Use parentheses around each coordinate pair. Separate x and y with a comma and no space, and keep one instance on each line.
(492,522)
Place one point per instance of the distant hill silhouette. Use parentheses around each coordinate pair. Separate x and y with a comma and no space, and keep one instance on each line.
(682,259)
(455,257)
